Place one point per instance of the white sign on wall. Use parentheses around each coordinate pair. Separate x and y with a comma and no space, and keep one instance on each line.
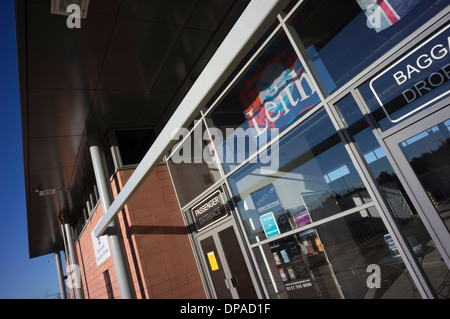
(101,248)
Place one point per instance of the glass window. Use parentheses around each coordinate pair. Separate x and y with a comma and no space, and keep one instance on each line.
(193,164)
(273,93)
(335,260)
(315,179)
(408,220)
(250,55)
(108,285)
(429,155)
(379,165)
(344,37)
(134,144)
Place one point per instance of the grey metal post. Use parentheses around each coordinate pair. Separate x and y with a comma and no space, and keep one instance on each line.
(62,285)
(120,261)
(73,262)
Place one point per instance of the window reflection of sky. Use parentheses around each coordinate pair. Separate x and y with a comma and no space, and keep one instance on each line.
(272,94)
(355,46)
(315,171)
(315,140)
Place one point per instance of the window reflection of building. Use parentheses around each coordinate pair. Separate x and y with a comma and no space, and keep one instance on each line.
(194,169)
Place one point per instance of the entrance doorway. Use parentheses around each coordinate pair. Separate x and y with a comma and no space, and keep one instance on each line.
(422,155)
(227,268)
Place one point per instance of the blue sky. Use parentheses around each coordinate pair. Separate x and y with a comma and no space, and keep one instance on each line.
(20,277)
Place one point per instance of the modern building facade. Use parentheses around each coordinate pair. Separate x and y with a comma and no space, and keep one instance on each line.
(239,149)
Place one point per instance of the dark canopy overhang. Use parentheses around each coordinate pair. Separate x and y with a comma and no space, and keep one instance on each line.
(129,65)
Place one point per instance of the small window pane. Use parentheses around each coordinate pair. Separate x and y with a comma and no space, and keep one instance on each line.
(134,144)
(193,165)
(335,260)
(344,37)
(315,179)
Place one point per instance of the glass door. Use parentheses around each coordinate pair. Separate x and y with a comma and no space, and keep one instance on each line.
(227,268)
(422,154)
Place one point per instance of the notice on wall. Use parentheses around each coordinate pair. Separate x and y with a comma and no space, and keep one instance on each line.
(101,248)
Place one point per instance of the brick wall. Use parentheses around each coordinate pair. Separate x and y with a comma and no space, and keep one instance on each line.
(161,260)
(92,277)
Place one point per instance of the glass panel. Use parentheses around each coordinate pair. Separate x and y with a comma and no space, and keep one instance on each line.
(108,285)
(273,93)
(134,144)
(344,37)
(315,179)
(408,220)
(241,64)
(109,157)
(215,268)
(429,155)
(377,162)
(335,260)
(238,268)
(193,165)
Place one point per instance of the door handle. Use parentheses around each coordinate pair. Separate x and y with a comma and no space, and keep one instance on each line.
(234,281)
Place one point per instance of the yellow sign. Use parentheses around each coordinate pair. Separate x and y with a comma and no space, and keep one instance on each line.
(212,261)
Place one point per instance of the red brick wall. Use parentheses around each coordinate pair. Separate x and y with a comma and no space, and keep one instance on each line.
(161,260)
(92,277)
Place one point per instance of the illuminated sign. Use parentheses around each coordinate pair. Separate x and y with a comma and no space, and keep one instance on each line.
(210,210)
(416,80)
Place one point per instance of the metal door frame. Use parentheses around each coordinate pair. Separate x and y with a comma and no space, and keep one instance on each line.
(213,232)
(408,178)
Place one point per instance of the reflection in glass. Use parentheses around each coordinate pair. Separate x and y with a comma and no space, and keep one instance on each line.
(216,270)
(273,93)
(332,259)
(429,155)
(403,210)
(316,179)
(372,152)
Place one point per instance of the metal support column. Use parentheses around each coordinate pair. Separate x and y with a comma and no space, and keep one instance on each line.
(120,261)
(59,269)
(73,263)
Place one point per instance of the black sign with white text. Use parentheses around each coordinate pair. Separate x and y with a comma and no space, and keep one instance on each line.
(416,80)
(210,210)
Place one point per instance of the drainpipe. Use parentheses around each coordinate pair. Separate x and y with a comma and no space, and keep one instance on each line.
(62,286)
